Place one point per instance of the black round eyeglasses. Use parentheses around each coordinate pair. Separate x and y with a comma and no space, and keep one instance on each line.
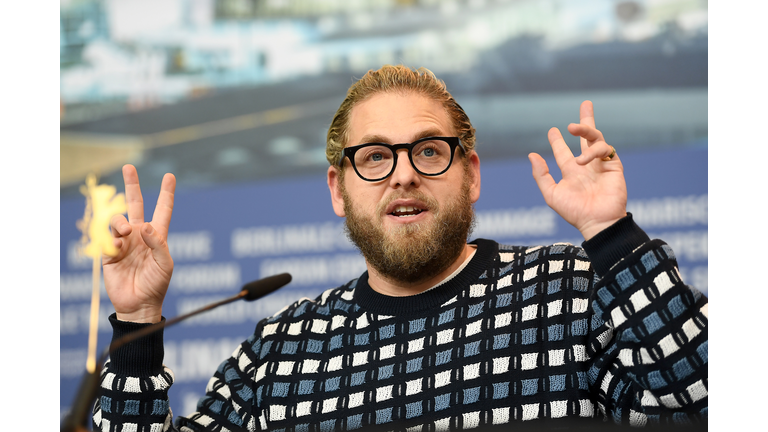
(430,156)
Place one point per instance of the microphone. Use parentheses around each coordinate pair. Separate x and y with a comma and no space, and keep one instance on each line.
(87,393)
(260,288)
(250,292)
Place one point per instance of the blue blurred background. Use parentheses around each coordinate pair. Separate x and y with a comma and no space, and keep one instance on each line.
(235,96)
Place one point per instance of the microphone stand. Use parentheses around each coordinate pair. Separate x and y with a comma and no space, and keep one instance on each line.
(89,386)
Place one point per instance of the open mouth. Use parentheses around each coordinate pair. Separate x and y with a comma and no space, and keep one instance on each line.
(406,211)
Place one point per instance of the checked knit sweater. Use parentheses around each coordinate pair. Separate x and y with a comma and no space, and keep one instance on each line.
(521,334)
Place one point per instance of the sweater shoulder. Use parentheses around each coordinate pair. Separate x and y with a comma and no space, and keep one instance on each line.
(563,249)
(540,267)
(331,302)
(524,257)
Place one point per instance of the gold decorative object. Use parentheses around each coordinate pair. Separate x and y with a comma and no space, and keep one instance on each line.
(101,204)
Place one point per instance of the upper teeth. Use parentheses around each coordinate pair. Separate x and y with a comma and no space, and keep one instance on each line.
(403,209)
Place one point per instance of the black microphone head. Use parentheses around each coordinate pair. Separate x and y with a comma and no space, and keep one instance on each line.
(260,288)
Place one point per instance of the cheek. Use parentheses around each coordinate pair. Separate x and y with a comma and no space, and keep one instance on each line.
(362,201)
(373,203)
(450,190)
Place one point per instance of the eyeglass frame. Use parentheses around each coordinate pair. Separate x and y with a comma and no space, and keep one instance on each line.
(349,152)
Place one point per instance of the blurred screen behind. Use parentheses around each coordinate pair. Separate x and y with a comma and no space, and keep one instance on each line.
(221,91)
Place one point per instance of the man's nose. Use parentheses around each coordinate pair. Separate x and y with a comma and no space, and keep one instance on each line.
(404,175)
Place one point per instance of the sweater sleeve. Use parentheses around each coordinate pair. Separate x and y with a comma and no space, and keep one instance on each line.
(649,332)
(135,384)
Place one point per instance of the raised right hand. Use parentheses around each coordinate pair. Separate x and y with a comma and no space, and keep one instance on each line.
(137,278)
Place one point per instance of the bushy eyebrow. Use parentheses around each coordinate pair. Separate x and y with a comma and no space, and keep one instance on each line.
(375,138)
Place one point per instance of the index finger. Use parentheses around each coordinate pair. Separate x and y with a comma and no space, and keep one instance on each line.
(161,219)
(560,149)
(133,198)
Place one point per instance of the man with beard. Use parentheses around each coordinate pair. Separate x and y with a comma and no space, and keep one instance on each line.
(437,334)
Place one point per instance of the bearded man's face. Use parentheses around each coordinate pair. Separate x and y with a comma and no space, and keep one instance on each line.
(409,227)
(418,251)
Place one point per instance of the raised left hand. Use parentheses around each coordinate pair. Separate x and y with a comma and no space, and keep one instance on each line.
(592,194)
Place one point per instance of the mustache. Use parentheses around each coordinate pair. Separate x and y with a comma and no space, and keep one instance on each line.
(430,203)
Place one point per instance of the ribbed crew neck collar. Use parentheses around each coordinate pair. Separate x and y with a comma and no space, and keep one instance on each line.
(381,304)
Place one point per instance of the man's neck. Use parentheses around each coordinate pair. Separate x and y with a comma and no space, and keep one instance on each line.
(394,288)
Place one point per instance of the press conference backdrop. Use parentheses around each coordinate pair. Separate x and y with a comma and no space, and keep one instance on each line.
(235,97)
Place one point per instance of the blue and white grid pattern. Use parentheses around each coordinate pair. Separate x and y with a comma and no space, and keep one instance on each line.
(536,335)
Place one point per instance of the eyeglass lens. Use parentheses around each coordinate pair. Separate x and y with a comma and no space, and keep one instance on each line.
(429,157)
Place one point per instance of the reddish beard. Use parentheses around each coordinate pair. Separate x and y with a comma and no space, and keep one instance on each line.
(413,252)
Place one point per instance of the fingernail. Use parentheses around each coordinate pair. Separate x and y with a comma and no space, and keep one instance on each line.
(147,229)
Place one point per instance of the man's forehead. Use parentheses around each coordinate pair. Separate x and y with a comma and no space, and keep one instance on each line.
(394,118)
(377,138)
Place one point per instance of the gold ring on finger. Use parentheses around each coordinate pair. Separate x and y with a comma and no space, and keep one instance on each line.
(610,156)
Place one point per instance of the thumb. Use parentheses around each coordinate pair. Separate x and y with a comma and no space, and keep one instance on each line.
(158,245)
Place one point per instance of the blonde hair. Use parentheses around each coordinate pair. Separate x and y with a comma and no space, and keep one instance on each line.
(393,79)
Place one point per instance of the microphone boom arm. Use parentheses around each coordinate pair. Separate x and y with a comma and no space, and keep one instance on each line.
(87,393)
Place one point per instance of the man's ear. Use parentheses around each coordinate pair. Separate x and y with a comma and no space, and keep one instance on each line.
(474,169)
(334,185)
